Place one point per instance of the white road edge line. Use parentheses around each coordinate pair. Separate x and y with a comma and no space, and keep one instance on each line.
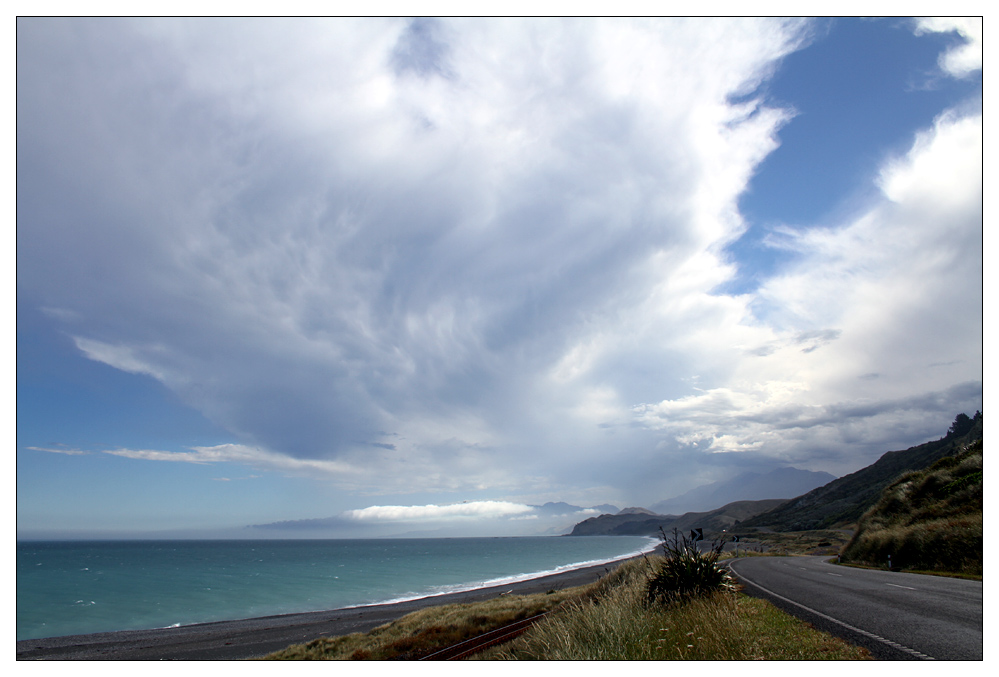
(900,586)
(895,645)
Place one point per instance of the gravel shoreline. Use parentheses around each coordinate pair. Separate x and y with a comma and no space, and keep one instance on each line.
(255,637)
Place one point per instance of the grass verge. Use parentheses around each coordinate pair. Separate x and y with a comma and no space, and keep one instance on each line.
(607,620)
(816,542)
(924,572)
(428,630)
(615,623)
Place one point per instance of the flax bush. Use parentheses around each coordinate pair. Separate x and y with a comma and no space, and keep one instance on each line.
(613,621)
(686,571)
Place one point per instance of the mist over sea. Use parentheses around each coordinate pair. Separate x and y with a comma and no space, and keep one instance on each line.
(67,588)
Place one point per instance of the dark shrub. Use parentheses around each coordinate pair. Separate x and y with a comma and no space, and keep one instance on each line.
(686,572)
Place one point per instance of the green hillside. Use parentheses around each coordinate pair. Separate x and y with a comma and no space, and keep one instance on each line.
(648,524)
(927,520)
(843,501)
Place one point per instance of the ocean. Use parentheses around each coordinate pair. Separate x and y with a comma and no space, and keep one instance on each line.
(79,587)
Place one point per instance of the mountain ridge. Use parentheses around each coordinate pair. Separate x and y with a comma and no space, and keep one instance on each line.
(838,503)
(843,501)
(644,524)
(785,482)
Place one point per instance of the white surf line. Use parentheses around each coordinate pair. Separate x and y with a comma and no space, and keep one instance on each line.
(900,586)
(894,645)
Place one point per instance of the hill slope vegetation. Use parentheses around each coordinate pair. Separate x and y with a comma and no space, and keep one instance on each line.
(843,501)
(927,520)
(646,523)
(783,483)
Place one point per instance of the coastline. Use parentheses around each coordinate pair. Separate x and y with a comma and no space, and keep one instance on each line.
(256,637)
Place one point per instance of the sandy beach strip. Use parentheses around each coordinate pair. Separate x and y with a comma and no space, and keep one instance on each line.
(255,637)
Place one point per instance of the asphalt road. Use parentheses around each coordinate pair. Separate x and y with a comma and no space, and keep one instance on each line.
(897,616)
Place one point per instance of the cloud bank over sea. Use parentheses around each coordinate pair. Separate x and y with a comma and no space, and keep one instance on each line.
(487,259)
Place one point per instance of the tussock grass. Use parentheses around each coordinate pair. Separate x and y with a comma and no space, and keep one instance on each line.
(615,622)
(607,620)
(928,520)
(813,542)
(428,630)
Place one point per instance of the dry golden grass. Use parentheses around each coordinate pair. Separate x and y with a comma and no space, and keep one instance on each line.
(617,624)
(929,520)
(815,542)
(607,620)
(428,630)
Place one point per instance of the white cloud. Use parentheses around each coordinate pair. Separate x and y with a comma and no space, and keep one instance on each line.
(67,451)
(420,513)
(372,471)
(120,357)
(878,319)
(463,272)
(62,314)
(943,171)
(238,453)
(312,248)
(962,60)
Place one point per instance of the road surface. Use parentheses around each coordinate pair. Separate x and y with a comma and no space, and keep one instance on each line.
(897,616)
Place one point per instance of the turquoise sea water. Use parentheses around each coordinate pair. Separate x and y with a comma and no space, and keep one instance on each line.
(68,588)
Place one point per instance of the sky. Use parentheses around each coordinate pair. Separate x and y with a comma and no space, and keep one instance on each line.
(372,277)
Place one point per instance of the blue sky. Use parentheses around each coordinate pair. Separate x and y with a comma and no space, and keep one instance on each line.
(418,276)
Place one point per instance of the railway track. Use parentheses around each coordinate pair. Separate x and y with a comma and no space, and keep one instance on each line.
(484,641)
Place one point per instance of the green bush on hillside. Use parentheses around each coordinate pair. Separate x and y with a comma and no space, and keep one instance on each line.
(927,520)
